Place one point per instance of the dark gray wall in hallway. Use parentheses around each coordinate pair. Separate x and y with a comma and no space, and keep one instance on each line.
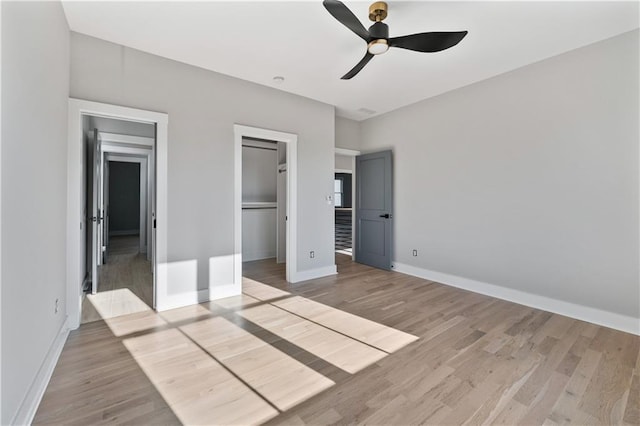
(124,197)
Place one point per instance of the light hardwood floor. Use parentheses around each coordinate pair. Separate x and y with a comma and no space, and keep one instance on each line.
(257,358)
(125,285)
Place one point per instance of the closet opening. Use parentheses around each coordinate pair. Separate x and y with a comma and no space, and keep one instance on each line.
(254,202)
(264,207)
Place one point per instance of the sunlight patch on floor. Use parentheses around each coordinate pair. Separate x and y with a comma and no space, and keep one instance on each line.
(236,302)
(261,291)
(113,303)
(372,333)
(276,376)
(187,313)
(209,367)
(344,352)
(197,388)
(134,323)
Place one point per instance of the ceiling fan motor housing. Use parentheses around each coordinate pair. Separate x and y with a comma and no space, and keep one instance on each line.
(379,30)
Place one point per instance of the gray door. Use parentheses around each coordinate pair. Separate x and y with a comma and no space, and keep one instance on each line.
(374,203)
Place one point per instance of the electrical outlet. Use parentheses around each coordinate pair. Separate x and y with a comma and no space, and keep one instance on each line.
(312,254)
(56,306)
(415,253)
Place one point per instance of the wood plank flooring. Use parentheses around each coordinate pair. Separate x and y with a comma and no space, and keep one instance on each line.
(125,285)
(477,360)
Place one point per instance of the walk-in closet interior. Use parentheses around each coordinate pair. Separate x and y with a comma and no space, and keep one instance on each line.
(264,183)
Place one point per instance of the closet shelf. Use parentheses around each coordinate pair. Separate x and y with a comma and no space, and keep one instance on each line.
(259,205)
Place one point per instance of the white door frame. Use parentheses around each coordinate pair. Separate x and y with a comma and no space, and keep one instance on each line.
(291,141)
(353,154)
(75,225)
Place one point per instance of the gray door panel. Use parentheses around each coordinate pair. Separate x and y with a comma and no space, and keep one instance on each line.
(374,204)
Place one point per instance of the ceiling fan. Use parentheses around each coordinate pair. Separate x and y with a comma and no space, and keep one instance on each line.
(377,37)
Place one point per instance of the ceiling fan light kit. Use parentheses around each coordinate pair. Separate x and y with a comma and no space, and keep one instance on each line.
(376,47)
(377,36)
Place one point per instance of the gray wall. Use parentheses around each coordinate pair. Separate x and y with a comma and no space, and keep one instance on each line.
(347,133)
(124,198)
(344,162)
(259,174)
(528,180)
(35,89)
(202,107)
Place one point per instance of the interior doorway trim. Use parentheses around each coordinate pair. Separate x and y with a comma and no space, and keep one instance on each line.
(75,232)
(353,154)
(347,152)
(291,141)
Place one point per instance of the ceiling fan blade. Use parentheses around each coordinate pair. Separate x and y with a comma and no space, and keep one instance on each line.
(342,13)
(428,42)
(355,70)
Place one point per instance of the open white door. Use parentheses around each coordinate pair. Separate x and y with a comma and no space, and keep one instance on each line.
(281,215)
(105,208)
(96,220)
(153,176)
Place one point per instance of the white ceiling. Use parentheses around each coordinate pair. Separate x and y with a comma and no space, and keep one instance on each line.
(256,41)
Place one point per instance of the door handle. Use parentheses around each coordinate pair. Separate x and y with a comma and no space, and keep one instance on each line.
(386,216)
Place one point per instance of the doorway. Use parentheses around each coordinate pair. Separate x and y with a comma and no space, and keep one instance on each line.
(265,199)
(343,211)
(149,152)
(119,201)
(344,197)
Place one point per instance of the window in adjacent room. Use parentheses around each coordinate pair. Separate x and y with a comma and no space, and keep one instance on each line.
(337,189)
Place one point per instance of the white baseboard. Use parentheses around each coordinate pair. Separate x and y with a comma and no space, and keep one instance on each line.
(200,296)
(585,313)
(258,255)
(314,273)
(29,406)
